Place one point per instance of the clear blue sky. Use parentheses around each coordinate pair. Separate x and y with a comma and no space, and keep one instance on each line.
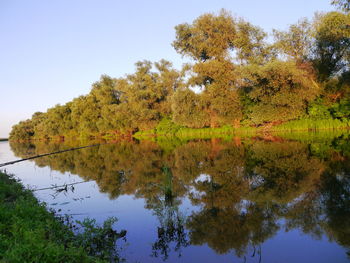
(52,51)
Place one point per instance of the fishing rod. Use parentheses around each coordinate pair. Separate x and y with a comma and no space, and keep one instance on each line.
(47,154)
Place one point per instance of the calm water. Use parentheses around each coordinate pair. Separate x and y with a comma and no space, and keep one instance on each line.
(233,200)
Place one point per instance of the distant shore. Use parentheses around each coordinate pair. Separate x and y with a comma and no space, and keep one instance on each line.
(3,139)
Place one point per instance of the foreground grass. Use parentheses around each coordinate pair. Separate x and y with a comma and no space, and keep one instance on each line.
(30,233)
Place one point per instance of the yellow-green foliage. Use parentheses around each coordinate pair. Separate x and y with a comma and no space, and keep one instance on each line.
(279,90)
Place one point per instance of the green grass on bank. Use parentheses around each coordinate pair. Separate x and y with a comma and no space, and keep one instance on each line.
(168,129)
(313,125)
(222,132)
(30,233)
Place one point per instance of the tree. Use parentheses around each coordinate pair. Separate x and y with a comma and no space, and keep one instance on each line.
(106,97)
(342,4)
(215,36)
(332,47)
(85,114)
(208,37)
(296,42)
(220,96)
(145,95)
(188,109)
(208,41)
(280,91)
(250,44)
(104,91)
(22,131)
(57,121)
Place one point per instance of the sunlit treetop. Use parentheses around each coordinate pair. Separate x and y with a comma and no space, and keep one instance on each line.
(219,36)
(208,36)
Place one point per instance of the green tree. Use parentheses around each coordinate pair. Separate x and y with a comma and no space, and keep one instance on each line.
(279,90)
(23,130)
(332,44)
(188,109)
(145,95)
(85,114)
(250,44)
(296,43)
(57,122)
(220,96)
(106,97)
(208,37)
(208,41)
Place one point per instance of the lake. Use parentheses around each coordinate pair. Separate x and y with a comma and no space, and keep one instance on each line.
(270,199)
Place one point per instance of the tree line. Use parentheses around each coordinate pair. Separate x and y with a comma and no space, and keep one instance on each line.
(236,77)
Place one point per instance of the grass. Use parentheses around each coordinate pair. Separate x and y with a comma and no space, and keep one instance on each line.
(167,129)
(31,233)
(313,125)
(222,132)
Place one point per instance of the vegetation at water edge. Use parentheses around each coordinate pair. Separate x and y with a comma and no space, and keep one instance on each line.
(30,233)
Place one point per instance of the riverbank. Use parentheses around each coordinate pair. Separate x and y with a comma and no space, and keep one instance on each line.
(167,129)
(302,125)
(31,233)
(3,139)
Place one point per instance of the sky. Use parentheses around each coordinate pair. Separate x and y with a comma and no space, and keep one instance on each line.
(52,51)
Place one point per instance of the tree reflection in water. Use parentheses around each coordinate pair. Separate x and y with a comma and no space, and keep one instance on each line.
(245,192)
(171,220)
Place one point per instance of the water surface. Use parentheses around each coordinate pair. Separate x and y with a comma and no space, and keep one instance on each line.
(219,200)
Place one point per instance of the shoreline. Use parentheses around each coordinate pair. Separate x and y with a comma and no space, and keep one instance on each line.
(44,236)
(191,134)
